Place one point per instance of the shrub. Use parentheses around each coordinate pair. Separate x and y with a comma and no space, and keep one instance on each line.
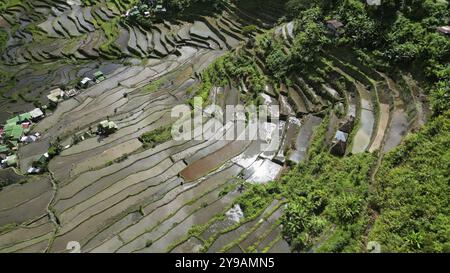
(249,30)
(157,136)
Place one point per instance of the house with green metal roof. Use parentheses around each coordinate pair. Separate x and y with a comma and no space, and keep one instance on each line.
(43,159)
(13,120)
(19,119)
(99,77)
(13,131)
(4,149)
(9,126)
(12,144)
(10,161)
(25,117)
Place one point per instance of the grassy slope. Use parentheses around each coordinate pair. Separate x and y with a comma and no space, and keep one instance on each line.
(328,200)
(413,192)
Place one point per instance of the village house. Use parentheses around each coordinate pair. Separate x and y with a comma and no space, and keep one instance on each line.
(85,82)
(99,77)
(43,159)
(13,145)
(36,114)
(13,131)
(55,96)
(335,27)
(444,30)
(16,130)
(19,119)
(134,12)
(283,89)
(373,2)
(10,161)
(107,127)
(145,8)
(30,138)
(33,170)
(160,9)
(71,93)
(4,152)
(339,143)
(348,125)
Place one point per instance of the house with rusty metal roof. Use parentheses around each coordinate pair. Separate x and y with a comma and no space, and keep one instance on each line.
(335,26)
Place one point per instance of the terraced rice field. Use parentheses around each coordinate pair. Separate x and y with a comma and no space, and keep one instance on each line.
(114,195)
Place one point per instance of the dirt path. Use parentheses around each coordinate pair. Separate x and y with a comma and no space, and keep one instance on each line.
(373,212)
(51,214)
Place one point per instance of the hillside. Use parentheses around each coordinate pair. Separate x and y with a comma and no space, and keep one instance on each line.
(363,97)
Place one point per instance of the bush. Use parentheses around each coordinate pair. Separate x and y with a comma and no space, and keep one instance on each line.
(54,150)
(157,136)
(3,39)
(249,30)
(412,192)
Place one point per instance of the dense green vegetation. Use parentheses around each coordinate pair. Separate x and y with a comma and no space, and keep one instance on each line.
(111,31)
(153,86)
(3,39)
(234,67)
(400,34)
(157,136)
(336,204)
(331,201)
(328,199)
(413,192)
(412,184)
(8,3)
(333,204)
(177,6)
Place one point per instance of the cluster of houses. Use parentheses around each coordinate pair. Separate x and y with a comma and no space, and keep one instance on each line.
(57,95)
(105,128)
(146,8)
(17,130)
